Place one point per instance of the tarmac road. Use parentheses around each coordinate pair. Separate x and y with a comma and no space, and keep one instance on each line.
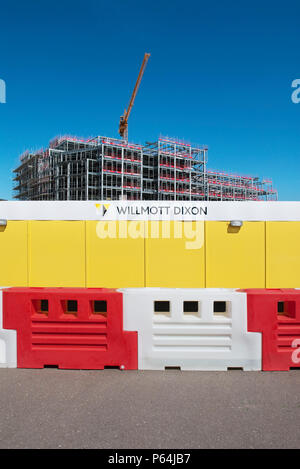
(131,410)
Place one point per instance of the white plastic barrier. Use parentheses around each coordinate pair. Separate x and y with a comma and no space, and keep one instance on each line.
(8,342)
(194,329)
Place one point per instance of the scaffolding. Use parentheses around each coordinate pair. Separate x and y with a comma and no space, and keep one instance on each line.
(103,168)
(224,186)
(179,169)
(33,176)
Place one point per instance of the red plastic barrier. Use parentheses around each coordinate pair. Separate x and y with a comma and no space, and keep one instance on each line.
(276,313)
(71,328)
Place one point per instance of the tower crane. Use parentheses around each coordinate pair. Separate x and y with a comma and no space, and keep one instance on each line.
(123,126)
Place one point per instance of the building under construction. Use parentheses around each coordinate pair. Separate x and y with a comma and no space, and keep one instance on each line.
(103,168)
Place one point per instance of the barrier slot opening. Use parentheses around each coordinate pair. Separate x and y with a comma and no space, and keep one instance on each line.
(222,308)
(100,307)
(162,307)
(286,308)
(191,308)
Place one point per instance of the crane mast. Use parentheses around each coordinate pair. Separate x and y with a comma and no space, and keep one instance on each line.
(123,126)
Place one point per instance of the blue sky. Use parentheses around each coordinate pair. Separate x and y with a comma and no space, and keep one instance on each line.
(220,73)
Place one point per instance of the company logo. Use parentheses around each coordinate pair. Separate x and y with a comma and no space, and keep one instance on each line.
(296,93)
(2,92)
(161,210)
(102,209)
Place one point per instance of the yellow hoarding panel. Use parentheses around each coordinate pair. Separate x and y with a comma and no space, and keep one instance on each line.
(57,253)
(13,254)
(283,254)
(115,254)
(235,256)
(175,254)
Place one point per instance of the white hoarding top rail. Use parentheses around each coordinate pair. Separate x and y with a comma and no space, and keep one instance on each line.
(149,210)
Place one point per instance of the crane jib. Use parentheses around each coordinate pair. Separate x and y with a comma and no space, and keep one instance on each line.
(123,127)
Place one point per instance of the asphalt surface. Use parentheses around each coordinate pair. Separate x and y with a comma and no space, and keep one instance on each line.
(135,410)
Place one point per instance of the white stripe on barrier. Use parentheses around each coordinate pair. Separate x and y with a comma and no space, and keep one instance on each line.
(8,342)
(194,329)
